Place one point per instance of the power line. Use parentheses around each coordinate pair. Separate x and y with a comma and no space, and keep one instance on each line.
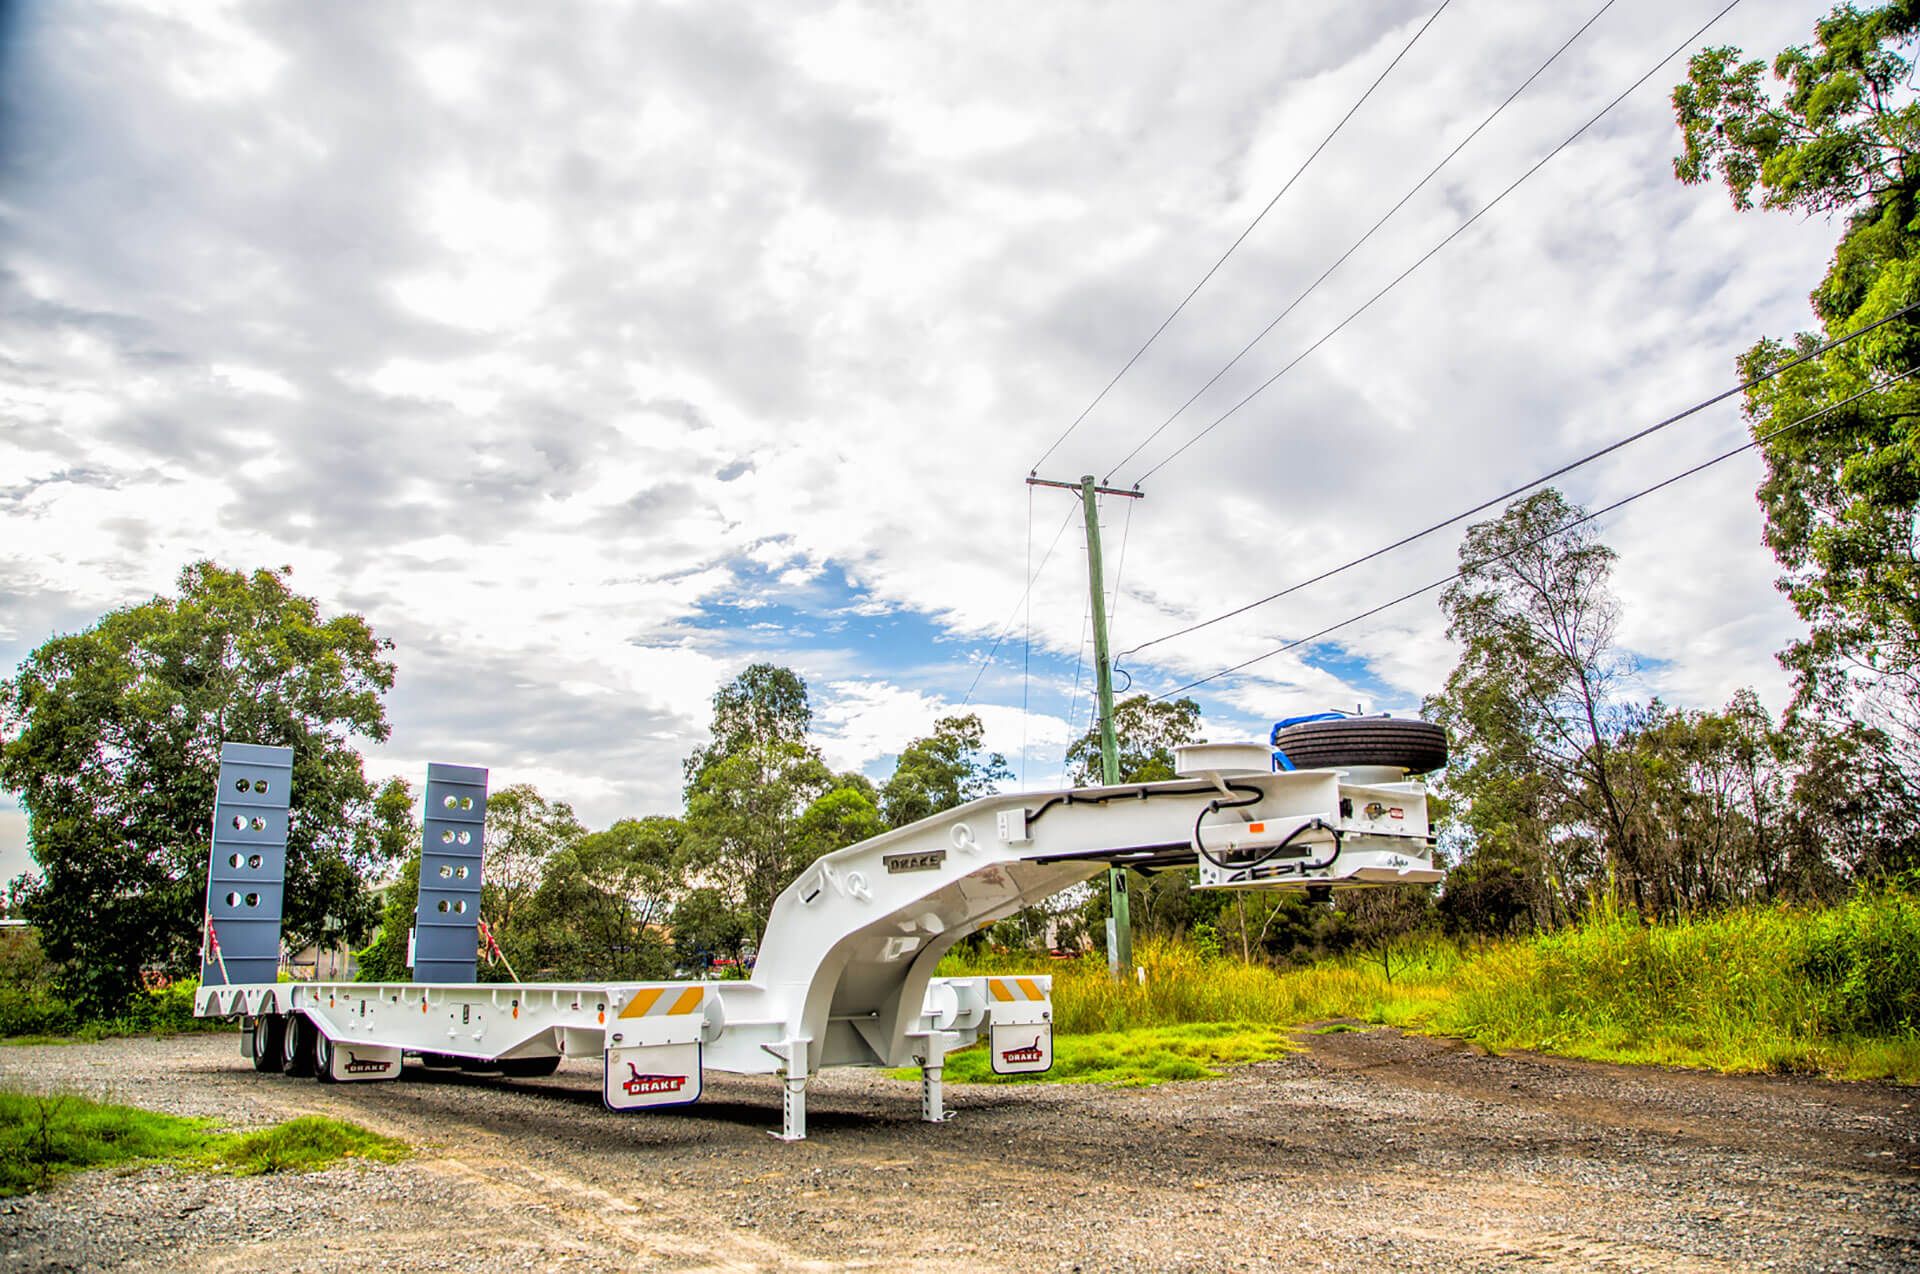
(1231,248)
(1361,241)
(1073,701)
(1026,656)
(1436,248)
(1120,570)
(982,670)
(1444,580)
(1540,481)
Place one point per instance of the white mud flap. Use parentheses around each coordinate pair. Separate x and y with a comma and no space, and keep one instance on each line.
(364,1061)
(1020,1049)
(660,1075)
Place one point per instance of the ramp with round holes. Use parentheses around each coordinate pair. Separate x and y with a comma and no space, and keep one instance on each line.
(247,875)
(447,920)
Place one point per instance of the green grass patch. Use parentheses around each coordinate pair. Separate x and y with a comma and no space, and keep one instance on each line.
(306,1144)
(45,1136)
(1132,1059)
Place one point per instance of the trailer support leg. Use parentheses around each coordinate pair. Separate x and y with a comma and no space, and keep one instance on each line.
(793,1088)
(931,1109)
(932,1066)
(793,1108)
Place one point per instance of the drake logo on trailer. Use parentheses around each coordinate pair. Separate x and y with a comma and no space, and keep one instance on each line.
(355,1066)
(925,860)
(1025,1054)
(640,1085)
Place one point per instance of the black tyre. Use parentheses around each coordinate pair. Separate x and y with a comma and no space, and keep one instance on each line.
(269,1038)
(439,1061)
(529,1067)
(478,1065)
(296,1050)
(1413,746)
(322,1058)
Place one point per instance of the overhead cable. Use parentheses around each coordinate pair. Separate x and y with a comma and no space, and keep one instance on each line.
(1231,248)
(1035,575)
(1357,244)
(1369,613)
(1540,481)
(1436,248)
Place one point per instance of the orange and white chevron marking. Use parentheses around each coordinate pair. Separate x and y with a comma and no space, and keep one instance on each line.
(664,1001)
(1005,990)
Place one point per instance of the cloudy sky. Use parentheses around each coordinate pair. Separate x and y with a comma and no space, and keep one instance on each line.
(595,351)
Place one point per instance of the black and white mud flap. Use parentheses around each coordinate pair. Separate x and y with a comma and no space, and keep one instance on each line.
(1020,1048)
(363,1061)
(653,1075)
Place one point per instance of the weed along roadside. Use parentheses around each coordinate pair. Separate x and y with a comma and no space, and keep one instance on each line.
(1833,991)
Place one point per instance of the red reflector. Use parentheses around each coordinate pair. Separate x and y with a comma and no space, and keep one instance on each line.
(1256,828)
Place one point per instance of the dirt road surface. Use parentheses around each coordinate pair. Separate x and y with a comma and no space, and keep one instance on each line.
(1370,1151)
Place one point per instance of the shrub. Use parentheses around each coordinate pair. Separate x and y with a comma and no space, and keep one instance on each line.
(28,1005)
(34,1011)
(1864,959)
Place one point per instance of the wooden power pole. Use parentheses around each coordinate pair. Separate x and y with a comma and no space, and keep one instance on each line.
(1120,925)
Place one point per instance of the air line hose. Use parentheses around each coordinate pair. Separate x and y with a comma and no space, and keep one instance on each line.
(1252,796)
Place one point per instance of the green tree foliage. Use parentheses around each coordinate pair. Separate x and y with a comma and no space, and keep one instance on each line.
(112,739)
(845,814)
(1836,134)
(747,789)
(946,768)
(1530,706)
(604,900)
(1563,793)
(1713,791)
(385,958)
(524,831)
(1147,733)
(707,926)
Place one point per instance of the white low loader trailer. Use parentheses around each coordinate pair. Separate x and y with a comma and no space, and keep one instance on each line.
(845,971)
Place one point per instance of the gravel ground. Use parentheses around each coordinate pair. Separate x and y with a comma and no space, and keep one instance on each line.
(1372,1150)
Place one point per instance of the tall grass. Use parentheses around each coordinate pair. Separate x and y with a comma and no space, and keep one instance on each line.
(1183,986)
(1753,989)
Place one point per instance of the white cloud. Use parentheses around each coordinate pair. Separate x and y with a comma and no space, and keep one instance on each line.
(534,342)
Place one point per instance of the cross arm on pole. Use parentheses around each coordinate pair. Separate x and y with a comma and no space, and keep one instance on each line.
(1132,493)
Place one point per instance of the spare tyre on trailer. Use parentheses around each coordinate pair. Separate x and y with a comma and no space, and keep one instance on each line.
(1340,742)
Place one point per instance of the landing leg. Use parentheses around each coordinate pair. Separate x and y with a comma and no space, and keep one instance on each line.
(793,1088)
(793,1108)
(933,1064)
(931,1108)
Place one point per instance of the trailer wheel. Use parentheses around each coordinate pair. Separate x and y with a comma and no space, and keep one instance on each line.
(322,1057)
(529,1067)
(438,1061)
(1413,746)
(269,1038)
(297,1046)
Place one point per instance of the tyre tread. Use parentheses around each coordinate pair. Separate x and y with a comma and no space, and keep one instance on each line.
(1414,746)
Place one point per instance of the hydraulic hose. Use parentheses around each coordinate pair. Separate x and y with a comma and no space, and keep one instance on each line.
(1271,851)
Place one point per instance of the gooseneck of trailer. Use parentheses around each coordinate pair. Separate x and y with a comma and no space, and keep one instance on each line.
(845,974)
